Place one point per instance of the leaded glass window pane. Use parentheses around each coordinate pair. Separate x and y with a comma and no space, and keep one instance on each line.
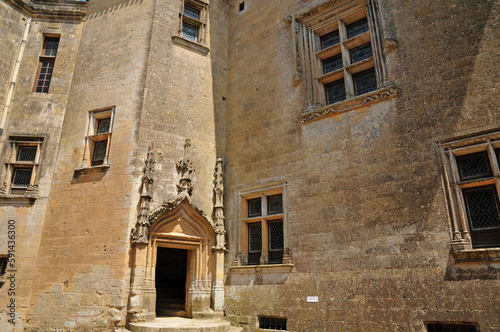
(330,39)
(365,81)
(191,12)
(482,207)
(332,64)
(51,45)
(357,28)
(474,166)
(21,177)
(45,76)
(189,32)
(276,235)
(103,126)
(26,153)
(254,207)
(275,204)
(99,152)
(335,91)
(360,53)
(255,237)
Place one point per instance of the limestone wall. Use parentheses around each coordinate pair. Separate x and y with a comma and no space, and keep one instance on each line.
(367,219)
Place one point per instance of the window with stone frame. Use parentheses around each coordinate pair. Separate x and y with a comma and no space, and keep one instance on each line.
(193,18)
(340,56)
(46,64)
(22,166)
(98,139)
(263,233)
(451,327)
(471,170)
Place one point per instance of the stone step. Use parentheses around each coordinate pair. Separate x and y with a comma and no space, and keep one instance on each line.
(167,324)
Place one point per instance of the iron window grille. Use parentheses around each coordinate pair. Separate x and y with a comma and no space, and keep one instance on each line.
(98,139)
(22,165)
(46,64)
(472,185)
(272,323)
(264,225)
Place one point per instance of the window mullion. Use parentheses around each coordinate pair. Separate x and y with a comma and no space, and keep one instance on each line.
(449,182)
(464,228)
(493,160)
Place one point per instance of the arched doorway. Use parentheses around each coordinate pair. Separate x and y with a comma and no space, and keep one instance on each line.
(181,249)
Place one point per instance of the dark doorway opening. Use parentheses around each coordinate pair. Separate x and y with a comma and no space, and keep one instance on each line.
(170,282)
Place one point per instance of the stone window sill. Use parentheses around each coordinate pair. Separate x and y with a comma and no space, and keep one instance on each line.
(92,169)
(269,274)
(262,268)
(190,45)
(372,97)
(477,255)
(17,199)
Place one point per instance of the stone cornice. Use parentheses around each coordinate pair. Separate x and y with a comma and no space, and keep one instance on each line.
(57,10)
(350,104)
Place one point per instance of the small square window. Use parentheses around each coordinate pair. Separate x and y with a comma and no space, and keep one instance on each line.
(357,28)
(275,204)
(335,91)
(27,153)
(330,39)
(254,207)
(190,32)
(103,125)
(332,64)
(365,81)
(21,177)
(474,166)
(191,12)
(361,53)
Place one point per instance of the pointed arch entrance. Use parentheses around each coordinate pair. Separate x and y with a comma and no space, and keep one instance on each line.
(180,236)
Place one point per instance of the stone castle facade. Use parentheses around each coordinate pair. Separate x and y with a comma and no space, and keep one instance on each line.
(308,165)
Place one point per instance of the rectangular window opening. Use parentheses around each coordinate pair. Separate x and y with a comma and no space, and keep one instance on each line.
(361,53)
(272,323)
(335,91)
(275,204)
(445,327)
(254,243)
(46,64)
(254,207)
(276,242)
(330,39)
(357,28)
(190,32)
(191,12)
(365,81)
(242,6)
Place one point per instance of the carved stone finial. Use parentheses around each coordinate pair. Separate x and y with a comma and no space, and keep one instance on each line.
(184,169)
(139,234)
(220,230)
